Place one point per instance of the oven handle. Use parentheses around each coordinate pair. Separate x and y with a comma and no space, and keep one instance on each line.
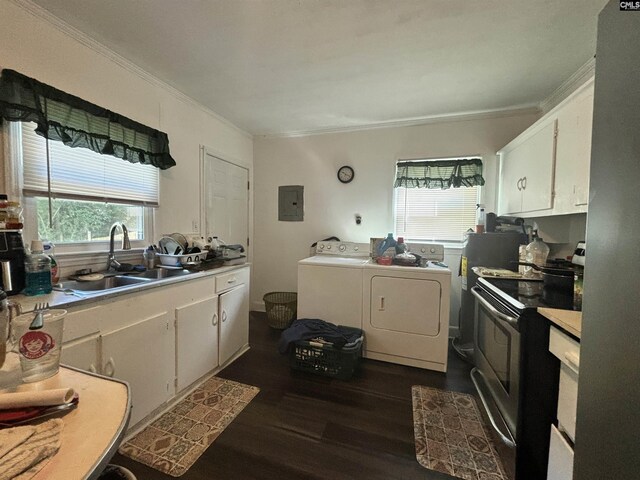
(510,320)
(507,438)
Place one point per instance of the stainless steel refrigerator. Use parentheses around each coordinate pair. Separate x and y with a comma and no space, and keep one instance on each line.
(493,250)
(608,418)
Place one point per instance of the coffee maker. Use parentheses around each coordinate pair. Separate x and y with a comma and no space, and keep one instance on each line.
(12,274)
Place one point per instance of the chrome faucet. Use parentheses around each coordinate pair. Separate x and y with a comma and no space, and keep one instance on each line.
(126,245)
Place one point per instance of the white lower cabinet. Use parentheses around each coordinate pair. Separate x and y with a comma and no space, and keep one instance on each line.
(82,353)
(196,340)
(161,340)
(560,457)
(143,355)
(567,350)
(234,328)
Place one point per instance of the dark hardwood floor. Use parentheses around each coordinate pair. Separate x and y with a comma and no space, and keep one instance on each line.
(302,426)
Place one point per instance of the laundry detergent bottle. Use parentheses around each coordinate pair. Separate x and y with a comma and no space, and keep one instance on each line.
(388,243)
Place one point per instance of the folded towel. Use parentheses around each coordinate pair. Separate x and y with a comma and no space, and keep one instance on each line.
(29,456)
(41,398)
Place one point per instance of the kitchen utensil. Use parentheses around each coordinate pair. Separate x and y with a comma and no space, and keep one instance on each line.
(38,320)
(181,239)
(168,245)
(19,416)
(553,276)
(177,260)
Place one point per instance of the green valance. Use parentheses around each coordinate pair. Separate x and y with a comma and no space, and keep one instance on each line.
(78,123)
(439,174)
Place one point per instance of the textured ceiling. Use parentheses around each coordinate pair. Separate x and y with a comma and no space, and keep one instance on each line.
(278,66)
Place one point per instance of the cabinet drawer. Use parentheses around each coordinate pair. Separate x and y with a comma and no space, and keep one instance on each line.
(560,457)
(565,348)
(231,279)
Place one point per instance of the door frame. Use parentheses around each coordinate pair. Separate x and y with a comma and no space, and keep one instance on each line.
(204,151)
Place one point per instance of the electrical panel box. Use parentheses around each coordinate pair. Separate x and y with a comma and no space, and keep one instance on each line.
(291,203)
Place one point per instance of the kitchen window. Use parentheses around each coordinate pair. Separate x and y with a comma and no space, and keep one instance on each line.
(436,200)
(89,192)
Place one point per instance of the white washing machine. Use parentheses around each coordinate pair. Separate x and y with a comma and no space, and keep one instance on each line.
(405,311)
(330,283)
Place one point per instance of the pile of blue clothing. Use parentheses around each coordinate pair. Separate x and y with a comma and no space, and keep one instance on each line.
(316,329)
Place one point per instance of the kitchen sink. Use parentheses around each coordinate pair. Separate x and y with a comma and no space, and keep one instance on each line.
(160,273)
(107,283)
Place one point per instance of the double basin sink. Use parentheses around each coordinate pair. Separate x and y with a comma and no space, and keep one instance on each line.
(119,281)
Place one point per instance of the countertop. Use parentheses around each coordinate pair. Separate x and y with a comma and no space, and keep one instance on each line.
(569,320)
(93,431)
(61,299)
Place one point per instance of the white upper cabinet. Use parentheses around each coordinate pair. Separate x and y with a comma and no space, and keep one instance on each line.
(526,183)
(545,170)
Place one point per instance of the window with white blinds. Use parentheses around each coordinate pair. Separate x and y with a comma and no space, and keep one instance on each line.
(81,174)
(434,214)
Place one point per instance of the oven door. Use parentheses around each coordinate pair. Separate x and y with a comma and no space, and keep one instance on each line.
(497,359)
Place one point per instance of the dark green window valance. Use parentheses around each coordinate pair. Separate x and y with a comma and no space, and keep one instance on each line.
(78,123)
(439,174)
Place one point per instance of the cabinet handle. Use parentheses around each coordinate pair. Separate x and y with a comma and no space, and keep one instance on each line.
(215,319)
(232,280)
(381,308)
(110,368)
(224,316)
(573,361)
(519,184)
(92,368)
(524,183)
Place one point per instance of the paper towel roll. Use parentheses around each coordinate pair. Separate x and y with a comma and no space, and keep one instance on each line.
(41,398)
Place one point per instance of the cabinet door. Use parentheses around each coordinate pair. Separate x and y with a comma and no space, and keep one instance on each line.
(560,457)
(81,353)
(537,156)
(234,321)
(196,340)
(510,199)
(142,354)
(573,153)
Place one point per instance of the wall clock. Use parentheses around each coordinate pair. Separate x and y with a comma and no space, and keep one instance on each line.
(345,174)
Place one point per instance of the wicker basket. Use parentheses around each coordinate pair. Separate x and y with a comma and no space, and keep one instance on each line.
(281,308)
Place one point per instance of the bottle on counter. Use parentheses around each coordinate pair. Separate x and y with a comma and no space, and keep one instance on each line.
(386,244)
(536,252)
(49,251)
(150,257)
(480,220)
(37,267)
(401,247)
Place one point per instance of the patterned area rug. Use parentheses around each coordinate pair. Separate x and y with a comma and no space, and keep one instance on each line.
(451,437)
(176,440)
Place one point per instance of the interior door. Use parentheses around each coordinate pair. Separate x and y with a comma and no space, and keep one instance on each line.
(226,200)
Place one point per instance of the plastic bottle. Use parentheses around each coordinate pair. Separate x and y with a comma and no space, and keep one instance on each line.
(38,270)
(480,221)
(388,243)
(49,251)
(149,257)
(536,252)
(401,247)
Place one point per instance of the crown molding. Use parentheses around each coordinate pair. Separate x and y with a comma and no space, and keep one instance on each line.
(87,41)
(412,122)
(585,73)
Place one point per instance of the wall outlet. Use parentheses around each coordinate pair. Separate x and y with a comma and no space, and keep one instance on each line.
(195,225)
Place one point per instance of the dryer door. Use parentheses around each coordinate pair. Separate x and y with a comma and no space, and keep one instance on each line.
(407,305)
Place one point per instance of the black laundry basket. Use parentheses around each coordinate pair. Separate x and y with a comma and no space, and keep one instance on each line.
(281,308)
(325,359)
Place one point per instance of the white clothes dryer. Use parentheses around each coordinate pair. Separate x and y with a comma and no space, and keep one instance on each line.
(406,311)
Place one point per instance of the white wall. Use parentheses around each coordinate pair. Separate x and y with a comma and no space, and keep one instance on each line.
(330,207)
(36,48)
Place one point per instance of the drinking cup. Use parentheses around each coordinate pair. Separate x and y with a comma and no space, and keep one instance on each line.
(39,350)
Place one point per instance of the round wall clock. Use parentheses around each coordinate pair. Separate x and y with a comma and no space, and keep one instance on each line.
(345,174)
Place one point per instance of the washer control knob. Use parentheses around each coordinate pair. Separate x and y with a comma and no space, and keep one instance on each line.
(423,250)
(342,248)
(356,248)
(329,247)
(432,250)
(321,246)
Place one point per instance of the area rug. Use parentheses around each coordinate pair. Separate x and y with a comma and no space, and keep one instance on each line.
(173,442)
(451,437)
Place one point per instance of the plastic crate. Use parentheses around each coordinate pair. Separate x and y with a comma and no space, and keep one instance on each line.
(325,359)
(281,308)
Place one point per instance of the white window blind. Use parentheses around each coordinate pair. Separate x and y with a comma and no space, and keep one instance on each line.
(433,214)
(81,174)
